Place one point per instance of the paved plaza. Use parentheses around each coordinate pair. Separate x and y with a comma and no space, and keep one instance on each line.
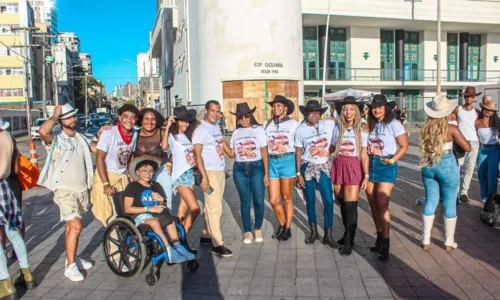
(286,270)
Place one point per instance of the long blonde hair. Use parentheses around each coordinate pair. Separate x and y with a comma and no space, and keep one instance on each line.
(432,138)
(357,126)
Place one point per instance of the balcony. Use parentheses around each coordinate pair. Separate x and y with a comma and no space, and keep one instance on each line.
(374,76)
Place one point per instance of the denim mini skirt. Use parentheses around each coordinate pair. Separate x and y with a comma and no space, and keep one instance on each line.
(380,172)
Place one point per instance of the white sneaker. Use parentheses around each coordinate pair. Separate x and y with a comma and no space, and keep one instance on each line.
(73,273)
(82,264)
(247,238)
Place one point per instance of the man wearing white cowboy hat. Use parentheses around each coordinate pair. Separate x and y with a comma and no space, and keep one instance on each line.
(440,174)
(466,118)
(68,172)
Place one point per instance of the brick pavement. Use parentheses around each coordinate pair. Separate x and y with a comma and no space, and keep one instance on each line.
(289,270)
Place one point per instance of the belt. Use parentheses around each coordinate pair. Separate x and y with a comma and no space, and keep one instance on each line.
(280,155)
(490,145)
(447,152)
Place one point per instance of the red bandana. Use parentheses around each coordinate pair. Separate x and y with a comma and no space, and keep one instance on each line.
(126,137)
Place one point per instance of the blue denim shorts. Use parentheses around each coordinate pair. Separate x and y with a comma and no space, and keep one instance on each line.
(283,167)
(380,172)
(186,179)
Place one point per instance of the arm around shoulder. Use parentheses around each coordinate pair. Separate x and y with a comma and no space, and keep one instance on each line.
(459,138)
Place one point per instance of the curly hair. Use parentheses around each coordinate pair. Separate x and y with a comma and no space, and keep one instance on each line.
(357,126)
(160,120)
(388,117)
(432,137)
(174,129)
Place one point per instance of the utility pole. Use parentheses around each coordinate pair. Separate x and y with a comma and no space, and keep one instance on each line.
(327,44)
(151,81)
(44,81)
(86,106)
(438,81)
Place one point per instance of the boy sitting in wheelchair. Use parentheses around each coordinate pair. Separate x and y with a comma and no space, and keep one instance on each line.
(144,202)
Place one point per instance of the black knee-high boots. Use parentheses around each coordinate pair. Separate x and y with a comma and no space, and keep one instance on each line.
(350,224)
(343,213)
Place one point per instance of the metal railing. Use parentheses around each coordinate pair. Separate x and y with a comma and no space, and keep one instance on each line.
(374,74)
(414,107)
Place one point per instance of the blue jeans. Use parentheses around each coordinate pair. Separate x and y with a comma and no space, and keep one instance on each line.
(442,180)
(20,248)
(249,180)
(487,170)
(326,191)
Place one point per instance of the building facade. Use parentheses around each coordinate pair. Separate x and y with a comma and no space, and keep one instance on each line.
(86,63)
(45,12)
(207,50)
(17,57)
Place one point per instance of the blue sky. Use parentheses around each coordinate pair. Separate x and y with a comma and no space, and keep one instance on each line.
(109,30)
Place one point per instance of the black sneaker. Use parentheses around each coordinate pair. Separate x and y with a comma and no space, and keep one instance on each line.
(464,198)
(205,241)
(222,251)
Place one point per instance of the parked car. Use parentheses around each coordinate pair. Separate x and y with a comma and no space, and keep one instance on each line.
(92,126)
(102,115)
(36,127)
(93,116)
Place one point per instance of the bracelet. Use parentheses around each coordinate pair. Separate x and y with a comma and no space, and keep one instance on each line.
(169,164)
(392,161)
(367,176)
(298,174)
(105,183)
(147,209)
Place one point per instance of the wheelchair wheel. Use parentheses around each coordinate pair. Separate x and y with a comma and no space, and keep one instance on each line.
(193,265)
(151,279)
(123,248)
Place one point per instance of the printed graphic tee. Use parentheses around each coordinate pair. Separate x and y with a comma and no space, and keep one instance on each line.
(348,147)
(280,137)
(315,141)
(118,153)
(382,138)
(143,195)
(247,142)
(182,154)
(210,136)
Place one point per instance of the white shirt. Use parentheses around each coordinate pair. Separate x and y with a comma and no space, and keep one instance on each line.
(117,152)
(210,136)
(486,136)
(382,138)
(467,123)
(247,142)
(348,147)
(315,141)
(280,137)
(73,180)
(182,154)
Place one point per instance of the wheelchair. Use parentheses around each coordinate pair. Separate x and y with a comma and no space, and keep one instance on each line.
(136,246)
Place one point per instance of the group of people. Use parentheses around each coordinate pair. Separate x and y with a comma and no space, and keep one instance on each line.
(166,157)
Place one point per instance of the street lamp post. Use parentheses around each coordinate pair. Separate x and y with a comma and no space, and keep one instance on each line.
(146,74)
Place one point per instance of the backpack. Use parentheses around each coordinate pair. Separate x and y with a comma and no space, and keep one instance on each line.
(491,212)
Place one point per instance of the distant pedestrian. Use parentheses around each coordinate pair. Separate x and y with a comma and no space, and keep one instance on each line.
(440,173)
(387,143)
(488,126)
(250,170)
(10,221)
(397,113)
(312,143)
(68,172)
(466,118)
(349,172)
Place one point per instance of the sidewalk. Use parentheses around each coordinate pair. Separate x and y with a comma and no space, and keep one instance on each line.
(288,270)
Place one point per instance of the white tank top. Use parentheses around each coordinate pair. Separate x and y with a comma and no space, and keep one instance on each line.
(448,146)
(466,123)
(486,136)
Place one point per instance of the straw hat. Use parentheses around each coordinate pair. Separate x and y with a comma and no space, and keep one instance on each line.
(440,107)
(489,105)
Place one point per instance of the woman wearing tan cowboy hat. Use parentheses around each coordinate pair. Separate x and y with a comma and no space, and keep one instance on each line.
(440,173)
(487,126)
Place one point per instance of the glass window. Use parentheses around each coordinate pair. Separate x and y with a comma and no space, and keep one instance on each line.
(15,124)
(23,123)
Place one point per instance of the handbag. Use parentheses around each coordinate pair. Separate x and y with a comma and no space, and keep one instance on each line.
(29,174)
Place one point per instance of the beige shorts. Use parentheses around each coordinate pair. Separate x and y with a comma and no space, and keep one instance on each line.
(71,204)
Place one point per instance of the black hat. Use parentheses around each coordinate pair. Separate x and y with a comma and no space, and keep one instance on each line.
(348,100)
(290,107)
(243,109)
(379,100)
(181,113)
(312,105)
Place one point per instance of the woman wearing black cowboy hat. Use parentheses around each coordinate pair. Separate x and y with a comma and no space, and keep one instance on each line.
(181,127)
(349,172)
(312,144)
(250,170)
(387,143)
(280,132)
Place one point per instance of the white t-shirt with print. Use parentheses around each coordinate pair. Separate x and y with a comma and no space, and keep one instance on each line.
(117,152)
(182,154)
(382,138)
(247,143)
(349,147)
(315,141)
(210,136)
(280,137)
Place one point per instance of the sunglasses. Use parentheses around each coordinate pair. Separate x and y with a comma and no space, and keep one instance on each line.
(244,117)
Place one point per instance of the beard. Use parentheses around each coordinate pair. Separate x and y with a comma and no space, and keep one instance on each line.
(71,126)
